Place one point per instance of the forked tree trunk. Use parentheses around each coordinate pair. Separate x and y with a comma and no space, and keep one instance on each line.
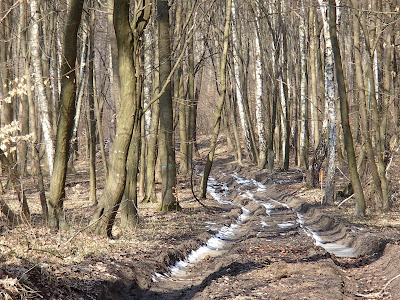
(128,116)
(218,111)
(363,94)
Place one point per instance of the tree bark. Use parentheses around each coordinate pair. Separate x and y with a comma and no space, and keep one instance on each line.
(344,111)
(128,116)
(218,111)
(66,118)
(330,109)
(39,83)
(167,152)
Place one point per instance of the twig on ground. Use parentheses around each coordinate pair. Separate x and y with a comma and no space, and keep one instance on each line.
(345,200)
(380,293)
(191,187)
(391,160)
(343,174)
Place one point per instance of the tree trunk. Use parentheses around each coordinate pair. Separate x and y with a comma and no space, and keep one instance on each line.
(303,132)
(240,90)
(39,83)
(217,122)
(128,116)
(92,120)
(344,111)
(313,69)
(167,152)
(262,140)
(66,118)
(330,109)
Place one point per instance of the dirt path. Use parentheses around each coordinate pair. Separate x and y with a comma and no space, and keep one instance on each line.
(263,236)
(264,247)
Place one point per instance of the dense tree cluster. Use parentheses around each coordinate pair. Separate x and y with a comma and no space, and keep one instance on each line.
(294,83)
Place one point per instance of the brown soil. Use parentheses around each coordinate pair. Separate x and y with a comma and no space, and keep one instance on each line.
(265,260)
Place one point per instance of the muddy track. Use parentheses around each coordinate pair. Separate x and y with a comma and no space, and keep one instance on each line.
(265,244)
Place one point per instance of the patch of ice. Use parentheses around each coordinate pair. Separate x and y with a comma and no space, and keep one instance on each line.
(246,181)
(264,224)
(336,249)
(286,225)
(211,188)
(280,203)
(268,208)
(215,246)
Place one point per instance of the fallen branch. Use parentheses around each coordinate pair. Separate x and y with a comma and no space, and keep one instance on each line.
(345,200)
(380,293)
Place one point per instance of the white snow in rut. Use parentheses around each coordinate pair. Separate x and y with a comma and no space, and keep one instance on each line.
(220,242)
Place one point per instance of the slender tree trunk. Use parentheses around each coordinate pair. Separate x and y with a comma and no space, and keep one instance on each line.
(262,140)
(67,113)
(113,71)
(313,69)
(153,136)
(344,111)
(217,122)
(240,92)
(24,111)
(192,111)
(303,134)
(92,120)
(39,83)
(32,123)
(330,109)
(167,152)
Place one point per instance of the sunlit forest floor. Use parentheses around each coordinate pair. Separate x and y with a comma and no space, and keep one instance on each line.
(264,262)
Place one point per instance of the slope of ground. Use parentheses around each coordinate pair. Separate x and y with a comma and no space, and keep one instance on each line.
(270,254)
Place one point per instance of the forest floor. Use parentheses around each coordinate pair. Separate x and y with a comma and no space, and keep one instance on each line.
(260,236)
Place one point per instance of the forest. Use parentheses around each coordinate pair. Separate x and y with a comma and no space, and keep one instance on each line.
(199,149)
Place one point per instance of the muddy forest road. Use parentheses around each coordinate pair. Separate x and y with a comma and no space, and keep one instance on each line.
(266,244)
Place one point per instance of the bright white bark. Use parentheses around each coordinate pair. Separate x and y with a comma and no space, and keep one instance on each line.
(82,75)
(258,95)
(239,95)
(147,81)
(376,75)
(284,116)
(37,72)
(303,90)
(329,106)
